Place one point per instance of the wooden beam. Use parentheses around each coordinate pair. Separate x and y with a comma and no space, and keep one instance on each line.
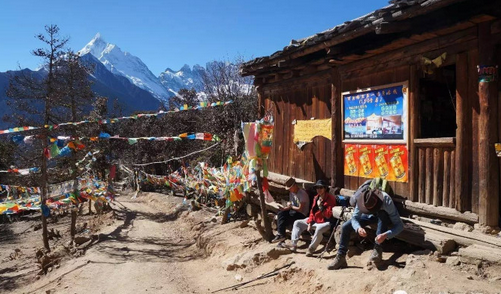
(488,134)
(463,135)
(337,175)
(436,142)
(392,27)
(414,131)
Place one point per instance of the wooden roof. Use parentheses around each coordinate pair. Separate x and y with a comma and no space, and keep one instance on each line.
(407,21)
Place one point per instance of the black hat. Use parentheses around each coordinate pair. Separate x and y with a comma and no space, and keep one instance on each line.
(373,200)
(289,183)
(321,183)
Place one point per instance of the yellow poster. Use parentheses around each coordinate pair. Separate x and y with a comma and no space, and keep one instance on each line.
(306,130)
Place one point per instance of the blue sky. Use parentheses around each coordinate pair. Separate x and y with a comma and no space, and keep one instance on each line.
(172,33)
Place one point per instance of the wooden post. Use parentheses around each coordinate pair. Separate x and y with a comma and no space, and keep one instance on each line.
(429,176)
(337,178)
(488,134)
(438,174)
(463,136)
(264,215)
(447,178)
(414,114)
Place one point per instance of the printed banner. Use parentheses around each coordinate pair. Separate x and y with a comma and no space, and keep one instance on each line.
(306,130)
(398,163)
(351,160)
(375,114)
(366,161)
(389,162)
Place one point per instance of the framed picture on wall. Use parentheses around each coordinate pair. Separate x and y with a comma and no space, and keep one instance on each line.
(376,115)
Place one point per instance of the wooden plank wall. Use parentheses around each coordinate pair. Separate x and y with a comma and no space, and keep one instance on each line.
(299,103)
(435,167)
(389,76)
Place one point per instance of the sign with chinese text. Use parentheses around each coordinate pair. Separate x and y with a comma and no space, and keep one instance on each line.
(306,130)
(378,114)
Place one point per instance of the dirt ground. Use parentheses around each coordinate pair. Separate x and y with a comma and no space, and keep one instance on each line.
(154,244)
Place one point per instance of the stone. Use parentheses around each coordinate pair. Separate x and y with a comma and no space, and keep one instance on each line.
(469,277)
(462,227)
(81,239)
(244,224)
(238,278)
(453,261)
(274,253)
(422,252)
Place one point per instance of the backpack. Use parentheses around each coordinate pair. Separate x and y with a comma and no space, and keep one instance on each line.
(379,183)
(383,185)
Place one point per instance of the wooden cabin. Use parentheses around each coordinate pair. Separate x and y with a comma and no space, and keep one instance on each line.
(411,91)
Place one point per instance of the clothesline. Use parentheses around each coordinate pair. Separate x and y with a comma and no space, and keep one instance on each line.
(177,158)
(114,120)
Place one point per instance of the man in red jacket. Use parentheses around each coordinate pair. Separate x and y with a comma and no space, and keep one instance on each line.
(319,219)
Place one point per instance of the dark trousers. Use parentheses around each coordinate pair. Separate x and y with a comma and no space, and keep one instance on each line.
(286,217)
(381,218)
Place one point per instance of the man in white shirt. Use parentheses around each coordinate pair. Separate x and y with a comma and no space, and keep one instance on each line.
(297,208)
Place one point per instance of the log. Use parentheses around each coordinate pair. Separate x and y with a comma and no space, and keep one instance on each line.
(446,178)
(472,254)
(429,176)
(414,132)
(439,211)
(422,175)
(428,239)
(414,235)
(429,210)
(437,176)
(462,238)
(488,133)
(463,135)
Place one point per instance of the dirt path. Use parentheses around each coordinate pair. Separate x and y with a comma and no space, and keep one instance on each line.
(156,246)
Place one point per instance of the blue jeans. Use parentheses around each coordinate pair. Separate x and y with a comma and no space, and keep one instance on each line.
(381,218)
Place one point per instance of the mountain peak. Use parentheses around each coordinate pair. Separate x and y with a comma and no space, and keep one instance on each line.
(94,47)
(185,68)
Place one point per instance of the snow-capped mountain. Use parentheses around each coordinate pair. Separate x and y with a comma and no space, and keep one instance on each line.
(186,77)
(127,65)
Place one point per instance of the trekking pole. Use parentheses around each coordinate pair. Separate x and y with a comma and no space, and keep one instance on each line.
(263,276)
(332,234)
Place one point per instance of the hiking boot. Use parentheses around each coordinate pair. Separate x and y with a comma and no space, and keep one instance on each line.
(292,247)
(282,245)
(377,254)
(338,263)
(309,252)
(278,238)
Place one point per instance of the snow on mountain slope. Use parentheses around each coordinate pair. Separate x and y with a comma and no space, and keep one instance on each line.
(186,77)
(127,65)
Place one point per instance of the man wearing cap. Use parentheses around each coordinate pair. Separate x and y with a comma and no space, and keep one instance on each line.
(372,206)
(319,219)
(297,208)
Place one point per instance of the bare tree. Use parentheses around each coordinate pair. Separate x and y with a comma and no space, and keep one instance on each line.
(39,97)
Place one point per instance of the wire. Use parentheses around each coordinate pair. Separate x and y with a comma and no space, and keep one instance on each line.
(177,158)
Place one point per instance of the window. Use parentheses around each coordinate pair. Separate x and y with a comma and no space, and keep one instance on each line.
(438,103)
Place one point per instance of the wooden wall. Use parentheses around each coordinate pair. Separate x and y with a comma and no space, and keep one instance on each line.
(299,100)
(389,76)
(441,173)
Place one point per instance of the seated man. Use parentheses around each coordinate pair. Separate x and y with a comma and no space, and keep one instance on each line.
(297,208)
(319,219)
(372,206)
